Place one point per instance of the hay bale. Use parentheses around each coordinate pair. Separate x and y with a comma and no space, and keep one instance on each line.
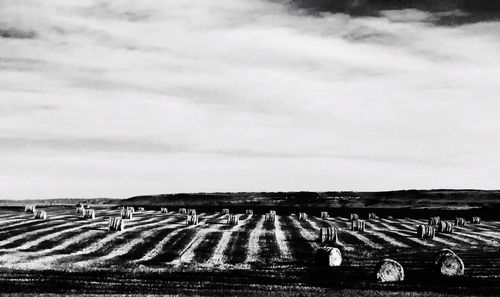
(116,224)
(324,215)
(442,253)
(30,208)
(273,212)
(390,218)
(389,270)
(131,209)
(302,216)
(163,210)
(328,256)
(191,211)
(233,219)
(126,214)
(459,222)
(192,219)
(40,214)
(445,227)
(249,212)
(80,210)
(354,217)
(358,225)
(270,217)
(89,214)
(141,209)
(434,221)
(328,235)
(225,211)
(425,231)
(448,263)
(372,216)
(182,211)
(475,220)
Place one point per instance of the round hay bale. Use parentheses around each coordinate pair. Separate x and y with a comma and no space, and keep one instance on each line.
(425,231)
(328,235)
(328,256)
(449,264)
(445,227)
(459,221)
(389,270)
(442,253)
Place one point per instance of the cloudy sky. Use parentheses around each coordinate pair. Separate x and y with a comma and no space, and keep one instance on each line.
(119,98)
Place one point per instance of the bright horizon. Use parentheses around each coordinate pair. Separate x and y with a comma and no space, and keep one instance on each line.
(125,98)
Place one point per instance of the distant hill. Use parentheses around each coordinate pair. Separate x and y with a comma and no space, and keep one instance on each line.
(442,199)
(59,201)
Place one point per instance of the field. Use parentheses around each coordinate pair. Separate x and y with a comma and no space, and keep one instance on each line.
(160,253)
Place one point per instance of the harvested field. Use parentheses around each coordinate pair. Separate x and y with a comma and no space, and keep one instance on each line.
(158,243)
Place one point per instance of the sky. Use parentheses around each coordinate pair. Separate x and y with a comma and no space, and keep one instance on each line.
(105,98)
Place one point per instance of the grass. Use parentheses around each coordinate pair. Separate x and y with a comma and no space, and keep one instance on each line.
(237,247)
(204,251)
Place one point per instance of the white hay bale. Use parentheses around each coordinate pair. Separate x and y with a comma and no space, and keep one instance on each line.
(390,217)
(225,211)
(182,211)
(116,224)
(40,214)
(126,214)
(425,231)
(459,222)
(434,221)
(273,212)
(270,217)
(328,235)
(163,210)
(30,208)
(80,209)
(476,220)
(328,256)
(191,211)
(89,214)
(324,215)
(249,212)
(449,264)
(372,216)
(140,209)
(354,217)
(358,225)
(192,219)
(131,209)
(302,216)
(389,270)
(445,227)
(233,219)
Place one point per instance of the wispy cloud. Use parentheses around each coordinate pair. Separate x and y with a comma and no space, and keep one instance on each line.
(159,96)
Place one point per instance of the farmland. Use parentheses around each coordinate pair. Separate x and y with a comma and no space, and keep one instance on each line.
(159,253)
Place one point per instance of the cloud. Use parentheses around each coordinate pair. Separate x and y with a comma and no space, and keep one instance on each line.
(218,95)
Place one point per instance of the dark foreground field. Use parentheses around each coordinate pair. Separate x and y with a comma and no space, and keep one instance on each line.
(159,254)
